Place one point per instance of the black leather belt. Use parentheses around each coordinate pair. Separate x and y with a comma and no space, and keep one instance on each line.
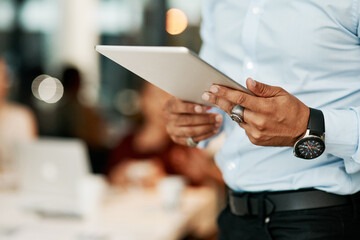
(243,204)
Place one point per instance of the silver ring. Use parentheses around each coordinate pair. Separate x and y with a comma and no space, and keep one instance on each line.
(237,114)
(191,142)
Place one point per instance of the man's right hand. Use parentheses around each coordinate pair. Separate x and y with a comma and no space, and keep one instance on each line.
(184,120)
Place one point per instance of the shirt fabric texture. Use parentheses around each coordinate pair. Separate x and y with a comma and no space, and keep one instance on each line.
(311,48)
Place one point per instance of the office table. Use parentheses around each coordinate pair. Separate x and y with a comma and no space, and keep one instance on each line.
(134,215)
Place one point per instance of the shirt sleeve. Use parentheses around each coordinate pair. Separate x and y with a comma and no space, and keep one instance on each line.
(342,136)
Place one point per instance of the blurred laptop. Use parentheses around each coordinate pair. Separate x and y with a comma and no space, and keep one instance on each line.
(50,173)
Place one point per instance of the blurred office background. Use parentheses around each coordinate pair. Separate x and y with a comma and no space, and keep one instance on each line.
(45,36)
(73,92)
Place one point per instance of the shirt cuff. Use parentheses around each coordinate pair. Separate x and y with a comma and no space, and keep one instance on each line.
(356,155)
(342,133)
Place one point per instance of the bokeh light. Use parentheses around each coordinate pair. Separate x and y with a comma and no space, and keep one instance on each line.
(176,21)
(47,89)
(35,85)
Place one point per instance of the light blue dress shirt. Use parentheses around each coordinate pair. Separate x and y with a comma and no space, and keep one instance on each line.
(311,48)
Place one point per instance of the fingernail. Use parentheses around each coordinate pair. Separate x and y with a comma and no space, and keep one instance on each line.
(252,82)
(218,118)
(205,97)
(198,109)
(214,89)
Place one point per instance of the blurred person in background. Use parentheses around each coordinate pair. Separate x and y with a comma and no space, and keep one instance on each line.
(17,124)
(147,152)
(76,120)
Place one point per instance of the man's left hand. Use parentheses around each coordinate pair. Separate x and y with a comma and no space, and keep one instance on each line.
(272,116)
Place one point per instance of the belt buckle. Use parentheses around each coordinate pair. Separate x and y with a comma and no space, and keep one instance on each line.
(251,205)
(239,205)
(269,206)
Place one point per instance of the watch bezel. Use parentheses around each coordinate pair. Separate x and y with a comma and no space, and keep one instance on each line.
(297,152)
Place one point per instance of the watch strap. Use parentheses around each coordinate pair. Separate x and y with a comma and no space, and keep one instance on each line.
(316,123)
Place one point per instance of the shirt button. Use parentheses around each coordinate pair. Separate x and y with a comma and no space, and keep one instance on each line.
(256,10)
(250,65)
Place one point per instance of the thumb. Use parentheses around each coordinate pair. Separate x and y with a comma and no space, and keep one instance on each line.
(261,89)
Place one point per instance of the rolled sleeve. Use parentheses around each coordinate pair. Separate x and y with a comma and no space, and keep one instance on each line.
(356,155)
(342,136)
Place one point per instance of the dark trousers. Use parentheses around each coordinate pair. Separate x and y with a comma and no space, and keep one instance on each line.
(331,223)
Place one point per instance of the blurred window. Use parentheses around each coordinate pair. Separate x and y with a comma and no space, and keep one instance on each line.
(121,16)
(7,15)
(39,15)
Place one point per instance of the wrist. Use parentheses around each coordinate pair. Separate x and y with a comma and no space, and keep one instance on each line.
(303,123)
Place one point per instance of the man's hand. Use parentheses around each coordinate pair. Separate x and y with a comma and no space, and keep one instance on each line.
(272,117)
(185,120)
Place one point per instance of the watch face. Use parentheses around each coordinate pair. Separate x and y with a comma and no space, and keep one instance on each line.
(309,147)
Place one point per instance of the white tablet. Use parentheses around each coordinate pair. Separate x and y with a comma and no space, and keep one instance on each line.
(176,70)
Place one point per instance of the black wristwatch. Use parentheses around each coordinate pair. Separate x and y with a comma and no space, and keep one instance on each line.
(312,145)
